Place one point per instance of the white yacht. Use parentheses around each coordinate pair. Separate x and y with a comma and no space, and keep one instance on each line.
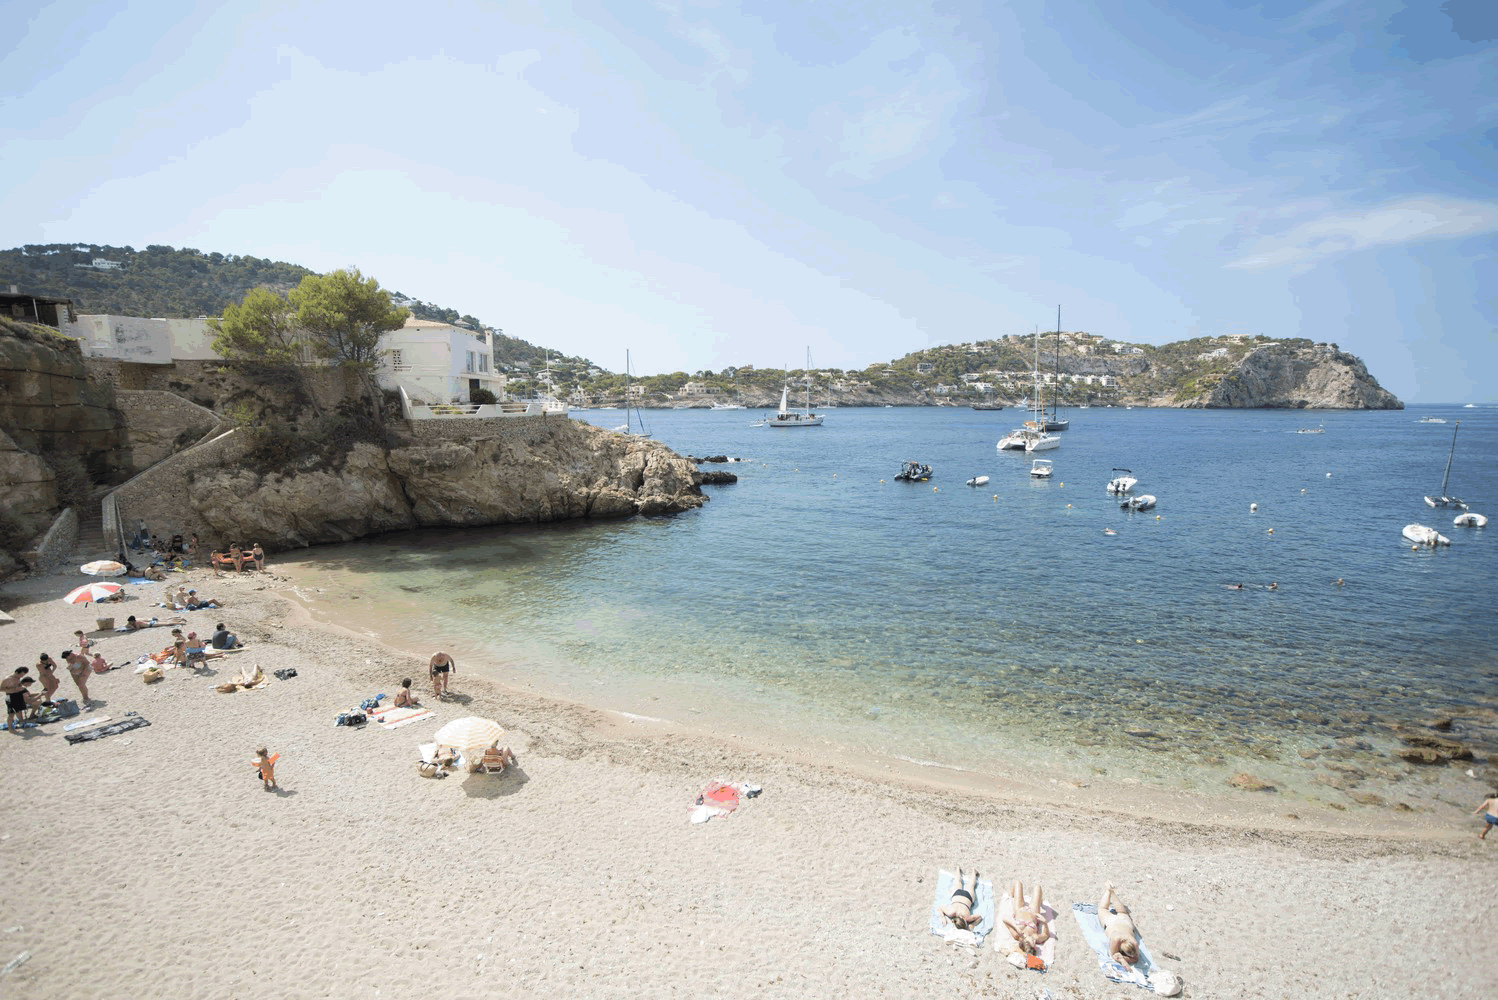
(787,417)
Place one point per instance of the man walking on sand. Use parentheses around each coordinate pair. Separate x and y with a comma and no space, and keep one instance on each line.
(442,668)
(1489,812)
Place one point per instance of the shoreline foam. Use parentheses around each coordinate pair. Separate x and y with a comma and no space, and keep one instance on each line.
(155,857)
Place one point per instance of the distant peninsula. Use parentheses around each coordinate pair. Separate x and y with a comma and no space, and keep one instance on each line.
(1075,367)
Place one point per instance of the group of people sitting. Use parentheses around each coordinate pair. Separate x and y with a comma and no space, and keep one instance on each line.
(188,600)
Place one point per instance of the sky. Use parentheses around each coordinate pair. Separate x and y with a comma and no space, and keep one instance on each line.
(714,184)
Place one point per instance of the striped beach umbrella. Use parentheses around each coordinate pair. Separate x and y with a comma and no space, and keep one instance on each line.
(91,593)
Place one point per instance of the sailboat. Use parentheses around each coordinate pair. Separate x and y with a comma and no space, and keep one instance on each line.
(1054,421)
(787,417)
(1033,435)
(631,411)
(1445,499)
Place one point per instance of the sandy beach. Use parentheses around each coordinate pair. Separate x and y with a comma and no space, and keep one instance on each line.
(153,863)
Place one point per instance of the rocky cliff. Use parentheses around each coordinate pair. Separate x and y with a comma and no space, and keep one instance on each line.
(1282,376)
(440,474)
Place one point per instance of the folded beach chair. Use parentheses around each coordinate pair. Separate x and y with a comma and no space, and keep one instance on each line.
(495,761)
(983,906)
(1144,974)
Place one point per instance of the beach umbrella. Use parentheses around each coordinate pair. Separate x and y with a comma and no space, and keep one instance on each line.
(469,734)
(104,567)
(92,592)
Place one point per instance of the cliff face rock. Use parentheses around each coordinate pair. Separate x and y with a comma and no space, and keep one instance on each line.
(48,403)
(521,471)
(1285,377)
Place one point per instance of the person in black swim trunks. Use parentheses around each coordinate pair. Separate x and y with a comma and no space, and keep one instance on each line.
(960,909)
(443,667)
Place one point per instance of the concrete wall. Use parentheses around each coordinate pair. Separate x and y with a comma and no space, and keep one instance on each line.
(160,494)
(144,341)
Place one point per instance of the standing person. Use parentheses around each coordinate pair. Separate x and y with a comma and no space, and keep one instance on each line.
(142,536)
(1489,809)
(83,642)
(442,668)
(79,669)
(258,554)
(194,547)
(15,698)
(236,554)
(266,765)
(46,669)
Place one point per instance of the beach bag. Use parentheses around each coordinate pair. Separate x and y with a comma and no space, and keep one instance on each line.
(153,675)
(67,706)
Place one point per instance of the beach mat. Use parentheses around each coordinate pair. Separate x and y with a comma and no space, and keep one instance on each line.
(396,717)
(1097,938)
(113,729)
(982,905)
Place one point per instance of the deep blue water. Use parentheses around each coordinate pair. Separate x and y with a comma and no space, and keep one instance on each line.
(818,599)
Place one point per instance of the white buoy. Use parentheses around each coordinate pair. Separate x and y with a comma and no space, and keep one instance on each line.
(1253,507)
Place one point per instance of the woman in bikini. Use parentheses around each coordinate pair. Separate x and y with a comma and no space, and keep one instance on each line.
(84,642)
(404,698)
(442,668)
(960,909)
(1029,927)
(1123,940)
(79,669)
(258,555)
(46,669)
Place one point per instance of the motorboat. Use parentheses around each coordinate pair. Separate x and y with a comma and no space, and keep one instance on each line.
(787,417)
(914,472)
(1470,520)
(728,406)
(1119,485)
(1316,430)
(1040,468)
(1432,420)
(1445,499)
(978,481)
(1142,502)
(1421,535)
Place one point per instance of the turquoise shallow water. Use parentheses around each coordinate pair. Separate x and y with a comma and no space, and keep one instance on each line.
(817,600)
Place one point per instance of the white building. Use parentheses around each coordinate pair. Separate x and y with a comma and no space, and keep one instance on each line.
(437,362)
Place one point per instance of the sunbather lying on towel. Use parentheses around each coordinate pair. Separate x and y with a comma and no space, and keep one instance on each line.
(1123,939)
(960,910)
(1029,927)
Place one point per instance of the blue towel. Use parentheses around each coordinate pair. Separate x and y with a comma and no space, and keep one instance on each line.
(1092,930)
(983,906)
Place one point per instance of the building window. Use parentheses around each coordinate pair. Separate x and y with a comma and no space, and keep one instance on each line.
(396,360)
(470,362)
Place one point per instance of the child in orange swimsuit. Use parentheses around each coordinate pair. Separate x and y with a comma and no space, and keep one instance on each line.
(266,765)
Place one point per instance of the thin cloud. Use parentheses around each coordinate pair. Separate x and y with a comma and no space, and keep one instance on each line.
(1387,225)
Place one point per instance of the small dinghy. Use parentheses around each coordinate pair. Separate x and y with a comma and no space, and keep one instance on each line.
(1470,520)
(1143,502)
(1421,535)
(914,472)
(978,481)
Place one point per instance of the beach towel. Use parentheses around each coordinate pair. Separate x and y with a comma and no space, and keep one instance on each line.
(720,798)
(92,720)
(394,718)
(1010,947)
(1144,974)
(983,906)
(113,729)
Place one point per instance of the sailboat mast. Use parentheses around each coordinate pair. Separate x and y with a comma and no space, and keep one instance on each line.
(1450,455)
(1056,386)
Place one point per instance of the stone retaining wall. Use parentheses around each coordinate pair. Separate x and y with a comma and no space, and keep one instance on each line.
(511,428)
(160,494)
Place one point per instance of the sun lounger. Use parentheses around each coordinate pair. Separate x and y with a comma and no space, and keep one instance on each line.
(494,761)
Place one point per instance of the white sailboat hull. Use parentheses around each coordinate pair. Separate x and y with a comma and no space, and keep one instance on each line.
(1042,442)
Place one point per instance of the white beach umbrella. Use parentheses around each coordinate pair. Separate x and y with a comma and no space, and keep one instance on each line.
(104,567)
(469,734)
(91,593)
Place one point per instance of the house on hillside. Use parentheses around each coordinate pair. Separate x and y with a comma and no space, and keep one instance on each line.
(436,363)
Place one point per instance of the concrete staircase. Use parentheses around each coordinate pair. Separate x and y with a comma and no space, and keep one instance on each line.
(91,541)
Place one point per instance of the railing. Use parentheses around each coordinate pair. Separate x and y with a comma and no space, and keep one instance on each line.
(476,411)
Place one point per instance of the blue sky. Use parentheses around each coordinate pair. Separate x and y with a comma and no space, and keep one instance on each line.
(713,184)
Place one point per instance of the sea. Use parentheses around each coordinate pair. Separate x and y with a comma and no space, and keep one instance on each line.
(1019,626)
